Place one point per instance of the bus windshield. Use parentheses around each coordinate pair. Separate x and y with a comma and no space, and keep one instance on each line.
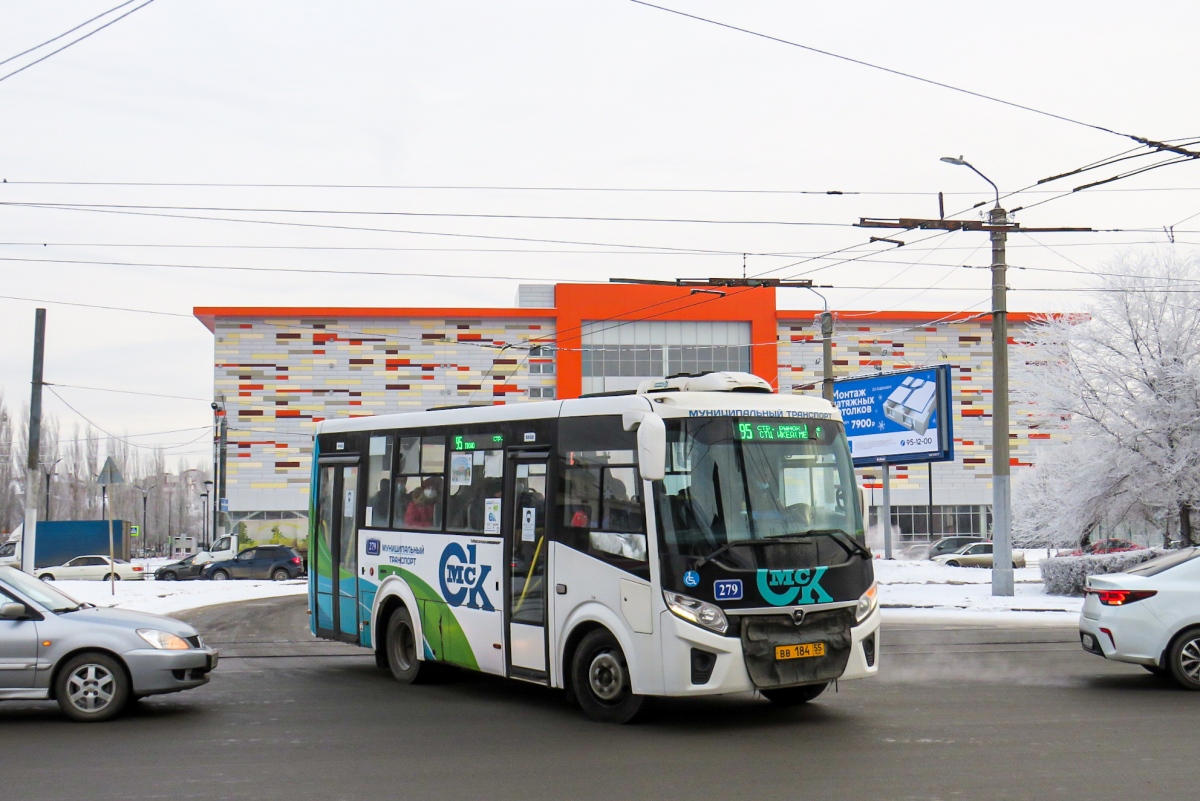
(754,480)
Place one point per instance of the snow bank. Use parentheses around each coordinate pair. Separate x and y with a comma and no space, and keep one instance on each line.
(165,597)
(1066,575)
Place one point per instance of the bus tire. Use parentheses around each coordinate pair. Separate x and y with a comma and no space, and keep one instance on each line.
(794,696)
(600,679)
(401,647)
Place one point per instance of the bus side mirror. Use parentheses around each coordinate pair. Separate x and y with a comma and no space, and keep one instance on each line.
(651,441)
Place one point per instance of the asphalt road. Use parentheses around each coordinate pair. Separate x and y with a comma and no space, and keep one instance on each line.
(958,713)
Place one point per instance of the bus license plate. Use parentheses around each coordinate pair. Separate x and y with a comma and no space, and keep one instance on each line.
(800,651)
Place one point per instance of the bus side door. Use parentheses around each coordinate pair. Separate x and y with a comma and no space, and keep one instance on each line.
(525,540)
(335,553)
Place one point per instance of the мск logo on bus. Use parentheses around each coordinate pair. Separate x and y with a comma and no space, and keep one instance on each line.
(462,579)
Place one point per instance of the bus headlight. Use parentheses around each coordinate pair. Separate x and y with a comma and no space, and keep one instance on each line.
(867,603)
(701,613)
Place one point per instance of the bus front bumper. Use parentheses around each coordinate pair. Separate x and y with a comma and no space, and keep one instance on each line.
(697,661)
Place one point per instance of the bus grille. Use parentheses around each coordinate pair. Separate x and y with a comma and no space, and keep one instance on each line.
(762,633)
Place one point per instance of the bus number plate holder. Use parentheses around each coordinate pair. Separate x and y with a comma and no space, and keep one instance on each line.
(801,651)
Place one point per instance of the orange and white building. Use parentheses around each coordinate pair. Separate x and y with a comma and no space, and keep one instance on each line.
(277,371)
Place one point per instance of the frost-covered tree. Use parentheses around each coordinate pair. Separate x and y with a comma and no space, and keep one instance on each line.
(1125,380)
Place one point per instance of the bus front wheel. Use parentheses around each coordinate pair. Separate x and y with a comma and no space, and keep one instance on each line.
(402,649)
(600,679)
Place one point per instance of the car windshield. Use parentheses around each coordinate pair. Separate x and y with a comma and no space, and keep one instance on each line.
(1157,565)
(746,480)
(39,591)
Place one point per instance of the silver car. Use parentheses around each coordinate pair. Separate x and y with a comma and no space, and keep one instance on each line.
(93,661)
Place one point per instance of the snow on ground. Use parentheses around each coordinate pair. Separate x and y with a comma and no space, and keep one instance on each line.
(166,597)
(909,591)
(921,591)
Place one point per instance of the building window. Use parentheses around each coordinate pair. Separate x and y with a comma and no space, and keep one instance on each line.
(541,361)
(541,392)
(911,523)
(619,356)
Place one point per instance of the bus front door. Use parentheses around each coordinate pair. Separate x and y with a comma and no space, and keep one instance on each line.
(528,552)
(335,555)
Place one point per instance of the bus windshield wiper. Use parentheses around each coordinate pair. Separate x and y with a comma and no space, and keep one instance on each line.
(699,563)
(841,537)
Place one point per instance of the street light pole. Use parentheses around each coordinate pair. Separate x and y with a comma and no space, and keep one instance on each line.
(1002,561)
(145,536)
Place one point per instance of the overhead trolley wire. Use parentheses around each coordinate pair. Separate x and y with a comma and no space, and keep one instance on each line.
(74,41)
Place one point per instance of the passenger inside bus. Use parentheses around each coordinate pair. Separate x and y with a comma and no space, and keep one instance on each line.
(424,508)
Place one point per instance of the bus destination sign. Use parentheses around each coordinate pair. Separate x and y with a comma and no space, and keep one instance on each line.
(472,442)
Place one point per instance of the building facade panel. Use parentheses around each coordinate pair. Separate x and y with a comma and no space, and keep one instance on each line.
(279,371)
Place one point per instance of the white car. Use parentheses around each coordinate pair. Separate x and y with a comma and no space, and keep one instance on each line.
(92,568)
(1148,615)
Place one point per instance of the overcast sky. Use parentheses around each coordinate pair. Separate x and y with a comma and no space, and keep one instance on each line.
(390,106)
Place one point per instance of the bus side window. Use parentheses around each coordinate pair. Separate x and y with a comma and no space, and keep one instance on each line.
(419,495)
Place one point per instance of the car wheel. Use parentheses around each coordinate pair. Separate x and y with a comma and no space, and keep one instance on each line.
(951,563)
(794,696)
(46,577)
(402,650)
(1184,659)
(111,577)
(280,575)
(169,576)
(92,687)
(600,679)
(219,575)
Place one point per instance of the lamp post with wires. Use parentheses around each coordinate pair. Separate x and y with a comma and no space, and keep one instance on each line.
(998,226)
(145,537)
(1002,562)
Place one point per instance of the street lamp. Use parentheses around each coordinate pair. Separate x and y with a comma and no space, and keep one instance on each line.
(1002,571)
(961,162)
(145,536)
(49,474)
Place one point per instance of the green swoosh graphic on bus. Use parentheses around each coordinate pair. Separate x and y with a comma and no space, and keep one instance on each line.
(436,615)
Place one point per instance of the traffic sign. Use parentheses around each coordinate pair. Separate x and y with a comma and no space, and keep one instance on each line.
(135,531)
(224,504)
(110,475)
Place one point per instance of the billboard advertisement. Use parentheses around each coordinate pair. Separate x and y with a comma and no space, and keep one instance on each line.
(898,418)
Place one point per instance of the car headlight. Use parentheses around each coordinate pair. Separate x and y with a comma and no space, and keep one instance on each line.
(701,613)
(867,603)
(163,640)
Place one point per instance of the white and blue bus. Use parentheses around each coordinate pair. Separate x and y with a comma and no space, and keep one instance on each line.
(701,535)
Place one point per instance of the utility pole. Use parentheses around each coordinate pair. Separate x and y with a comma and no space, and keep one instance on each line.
(222,499)
(29,531)
(999,227)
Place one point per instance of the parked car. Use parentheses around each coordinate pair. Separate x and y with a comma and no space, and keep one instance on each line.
(951,544)
(977,554)
(92,568)
(1104,546)
(275,562)
(94,662)
(182,570)
(1149,615)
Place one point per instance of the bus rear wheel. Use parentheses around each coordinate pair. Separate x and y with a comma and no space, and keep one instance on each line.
(794,696)
(600,679)
(402,649)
